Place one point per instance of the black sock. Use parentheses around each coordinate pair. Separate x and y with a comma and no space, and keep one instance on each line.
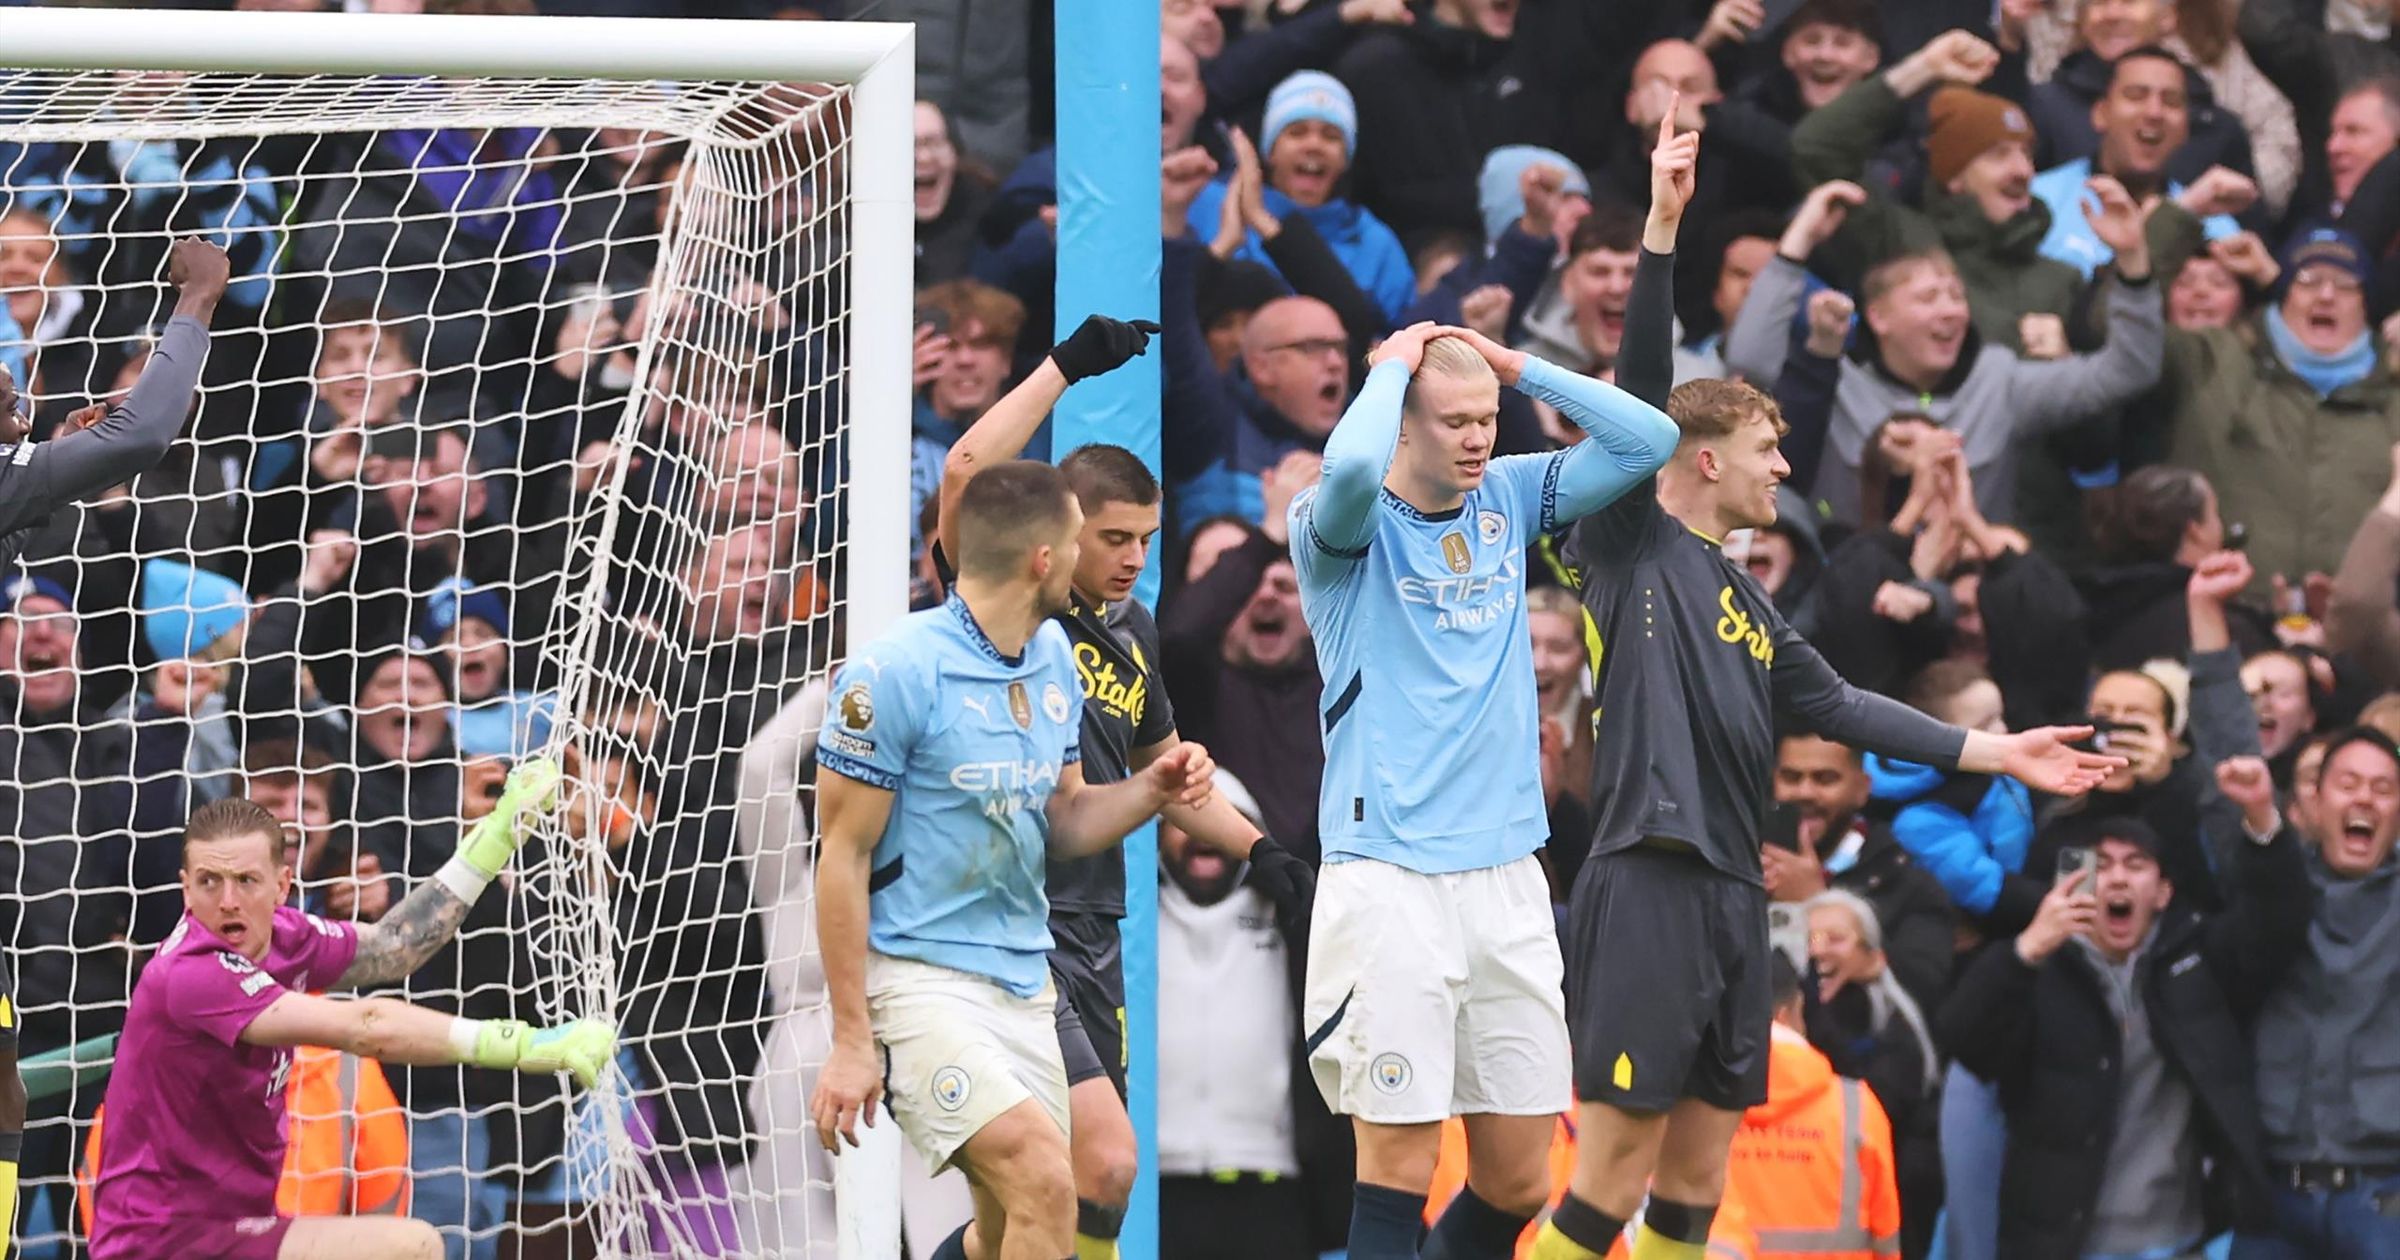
(1385,1223)
(1096,1220)
(1472,1229)
(952,1248)
(1586,1226)
(1683,1222)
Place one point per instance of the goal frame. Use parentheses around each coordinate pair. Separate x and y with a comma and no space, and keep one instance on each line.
(877,58)
(878,62)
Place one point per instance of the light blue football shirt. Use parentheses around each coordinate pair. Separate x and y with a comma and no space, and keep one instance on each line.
(971,743)
(1432,727)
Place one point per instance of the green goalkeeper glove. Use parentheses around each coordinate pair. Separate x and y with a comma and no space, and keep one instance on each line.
(582,1048)
(486,849)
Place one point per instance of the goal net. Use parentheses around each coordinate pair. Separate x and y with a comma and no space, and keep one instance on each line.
(550,410)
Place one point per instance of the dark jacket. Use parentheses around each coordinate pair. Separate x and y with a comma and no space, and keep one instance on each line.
(1263,724)
(2033,627)
(2048,1037)
(1911,906)
(2329,1038)
(1255,60)
(2313,67)
(2061,111)
(2138,614)
(1432,100)
(946,244)
(68,809)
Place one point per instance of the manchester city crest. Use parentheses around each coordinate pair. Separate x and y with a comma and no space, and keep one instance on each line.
(950,1088)
(1391,1072)
(1490,527)
(1054,702)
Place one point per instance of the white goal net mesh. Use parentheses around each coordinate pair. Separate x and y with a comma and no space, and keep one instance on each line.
(522,430)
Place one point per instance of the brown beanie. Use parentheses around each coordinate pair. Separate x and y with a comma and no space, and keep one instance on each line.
(1964,123)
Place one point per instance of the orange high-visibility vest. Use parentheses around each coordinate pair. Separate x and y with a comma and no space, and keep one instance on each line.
(349,1142)
(1729,1238)
(1813,1163)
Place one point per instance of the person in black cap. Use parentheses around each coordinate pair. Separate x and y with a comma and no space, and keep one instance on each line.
(2116,1027)
(2282,412)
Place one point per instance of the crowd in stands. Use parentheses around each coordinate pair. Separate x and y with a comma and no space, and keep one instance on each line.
(2044,470)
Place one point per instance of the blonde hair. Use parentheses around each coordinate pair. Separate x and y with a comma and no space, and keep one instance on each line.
(1553,599)
(1710,409)
(1452,357)
(1886,1000)
(1897,270)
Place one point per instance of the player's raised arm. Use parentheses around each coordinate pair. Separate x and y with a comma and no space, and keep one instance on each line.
(1085,819)
(1358,453)
(107,446)
(1646,356)
(1098,346)
(393,947)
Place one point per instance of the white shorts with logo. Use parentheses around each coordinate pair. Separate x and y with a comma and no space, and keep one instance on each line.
(959,1050)
(1432,996)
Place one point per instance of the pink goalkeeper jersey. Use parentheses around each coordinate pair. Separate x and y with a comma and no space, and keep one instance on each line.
(196,1118)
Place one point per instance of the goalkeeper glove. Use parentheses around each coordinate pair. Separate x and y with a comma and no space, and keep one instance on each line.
(486,849)
(1287,881)
(582,1048)
(1100,345)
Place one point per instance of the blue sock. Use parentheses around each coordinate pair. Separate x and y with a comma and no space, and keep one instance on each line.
(1385,1223)
(1472,1229)
(952,1248)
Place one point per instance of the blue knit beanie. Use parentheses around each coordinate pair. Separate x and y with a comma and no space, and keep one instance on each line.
(1496,187)
(1306,95)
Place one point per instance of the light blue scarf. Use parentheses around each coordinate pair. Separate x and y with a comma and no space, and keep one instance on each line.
(2324,373)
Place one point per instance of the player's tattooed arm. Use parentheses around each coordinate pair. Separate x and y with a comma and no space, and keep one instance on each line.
(392,948)
(427,918)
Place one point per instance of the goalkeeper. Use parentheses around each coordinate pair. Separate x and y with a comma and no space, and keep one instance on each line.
(106,447)
(1127,724)
(189,1168)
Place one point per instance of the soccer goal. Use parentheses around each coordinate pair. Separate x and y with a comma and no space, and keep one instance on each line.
(559,403)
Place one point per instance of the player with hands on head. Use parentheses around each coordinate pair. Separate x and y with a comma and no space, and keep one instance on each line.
(1128,725)
(209,1037)
(1409,552)
(968,719)
(1667,932)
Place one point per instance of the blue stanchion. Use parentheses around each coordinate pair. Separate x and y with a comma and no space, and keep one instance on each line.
(1108,261)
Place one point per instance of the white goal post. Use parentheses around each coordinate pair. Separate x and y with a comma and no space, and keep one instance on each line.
(740,366)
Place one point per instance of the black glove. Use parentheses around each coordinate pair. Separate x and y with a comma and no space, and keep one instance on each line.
(1287,880)
(1100,345)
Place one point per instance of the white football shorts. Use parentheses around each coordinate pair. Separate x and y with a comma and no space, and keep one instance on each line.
(959,1050)
(1431,996)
